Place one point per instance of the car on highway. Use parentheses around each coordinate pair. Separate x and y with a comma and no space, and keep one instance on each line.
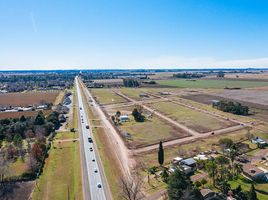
(90,140)
(99,185)
(93,160)
(91,149)
(96,171)
(80,108)
(87,126)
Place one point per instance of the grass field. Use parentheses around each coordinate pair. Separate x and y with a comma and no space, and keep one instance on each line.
(150,132)
(203,83)
(61,170)
(106,96)
(261,189)
(134,93)
(27,98)
(193,119)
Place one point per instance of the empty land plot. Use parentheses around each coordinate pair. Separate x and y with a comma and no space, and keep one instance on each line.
(28,98)
(195,120)
(106,96)
(61,171)
(204,83)
(150,132)
(137,94)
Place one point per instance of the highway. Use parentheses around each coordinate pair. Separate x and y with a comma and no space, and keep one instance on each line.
(92,164)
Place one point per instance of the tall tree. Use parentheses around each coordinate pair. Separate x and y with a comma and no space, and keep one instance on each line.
(39,119)
(252,193)
(161,154)
(211,167)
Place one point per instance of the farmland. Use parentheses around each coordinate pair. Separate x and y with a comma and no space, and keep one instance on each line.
(134,93)
(216,84)
(27,98)
(4,115)
(106,96)
(190,118)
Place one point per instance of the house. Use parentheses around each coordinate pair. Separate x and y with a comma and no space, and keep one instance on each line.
(208,194)
(201,157)
(123,118)
(254,173)
(215,103)
(186,169)
(260,142)
(164,93)
(190,162)
(177,160)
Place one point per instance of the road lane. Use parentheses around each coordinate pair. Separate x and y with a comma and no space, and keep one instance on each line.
(94,178)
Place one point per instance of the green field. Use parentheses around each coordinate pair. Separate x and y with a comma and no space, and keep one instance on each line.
(261,189)
(203,83)
(150,132)
(193,119)
(61,170)
(106,96)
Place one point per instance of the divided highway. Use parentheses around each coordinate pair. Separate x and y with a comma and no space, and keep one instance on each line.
(92,170)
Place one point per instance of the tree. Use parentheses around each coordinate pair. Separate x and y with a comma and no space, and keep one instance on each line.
(131,188)
(165,175)
(203,182)
(161,154)
(252,193)
(17,140)
(39,119)
(238,168)
(138,115)
(180,187)
(22,118)
(211,167)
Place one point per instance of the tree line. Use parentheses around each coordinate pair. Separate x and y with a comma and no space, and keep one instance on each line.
(232,107)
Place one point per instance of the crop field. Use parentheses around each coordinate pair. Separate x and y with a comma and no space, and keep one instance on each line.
(150,132)
(205,83)
(61,170)
(4,115)
(106,96)
(28,98)
(195,120)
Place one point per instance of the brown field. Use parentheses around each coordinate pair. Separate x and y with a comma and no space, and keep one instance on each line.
(28,98)
(239,76)
(4,115)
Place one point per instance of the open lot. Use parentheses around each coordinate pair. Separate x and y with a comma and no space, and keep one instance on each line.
(106,96)
(27,98)
(135,93)
(61,171)
(193,119)
(151,131)
(205,83)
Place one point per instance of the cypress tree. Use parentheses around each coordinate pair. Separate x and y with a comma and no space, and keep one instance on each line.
(160,154)
(252,193)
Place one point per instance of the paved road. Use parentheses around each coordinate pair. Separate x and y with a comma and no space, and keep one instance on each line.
(122,153)
(91,168)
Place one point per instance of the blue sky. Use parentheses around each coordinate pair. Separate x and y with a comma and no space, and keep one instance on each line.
(57,34)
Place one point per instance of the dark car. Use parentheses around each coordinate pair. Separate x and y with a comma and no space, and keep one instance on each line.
(90,140)
(87,126)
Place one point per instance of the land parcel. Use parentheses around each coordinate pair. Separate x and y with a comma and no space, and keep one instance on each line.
(191,118)
(106,96)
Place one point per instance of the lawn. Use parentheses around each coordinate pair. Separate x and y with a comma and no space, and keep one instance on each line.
(203,83)
(66,135)
(150,132)
(195,120)
(61,171)
(106,96)
(261,189)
